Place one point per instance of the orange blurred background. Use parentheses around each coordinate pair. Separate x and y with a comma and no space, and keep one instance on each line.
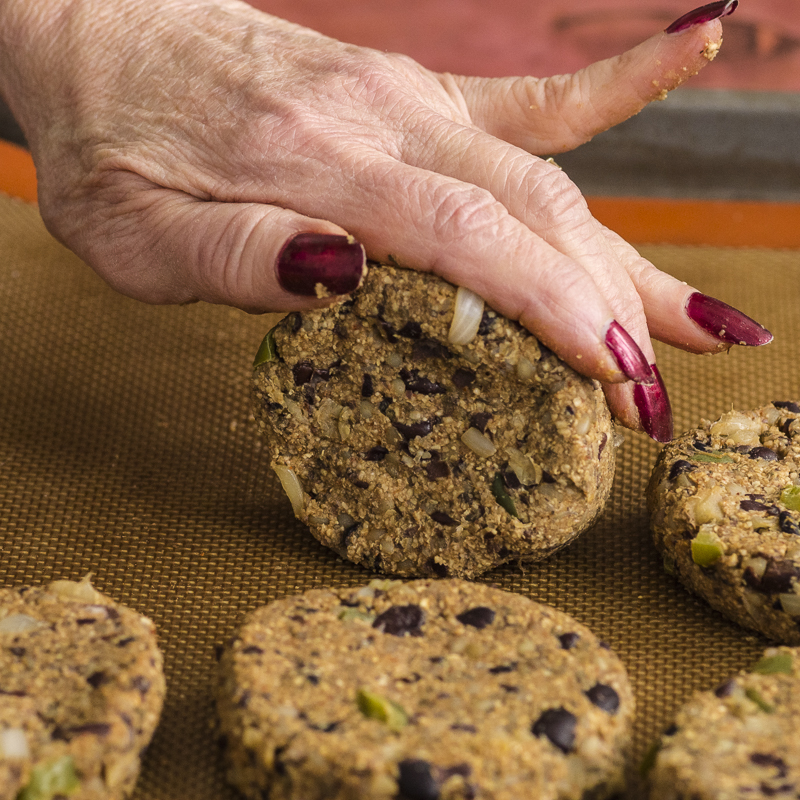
(761,47)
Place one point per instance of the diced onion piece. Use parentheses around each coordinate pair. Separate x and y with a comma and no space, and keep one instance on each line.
(480,444)
(19,623)
(81,591)
(292,487)
(526,371)
(791,604)
(467,316)
(524,468)
(14,744)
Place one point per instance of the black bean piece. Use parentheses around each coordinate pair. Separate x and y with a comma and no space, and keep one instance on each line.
(502,668)
(377,453)
(97,679)
(358,482)
(777,577)
(313,679)
(754,505)
(558,725)
(671,730)
(401,621)
(426,349)
(511,480)
(463,378)
(479,617)
(787,524)
(86,621)
(411,330)
(443,518)
(770,760)
(419,383)
(787,405)
(764,453)
(786,427)
(4,693)
(367,386)
(698,445)
(252,649)
(480,420)
(409,432)
(416,781)
(17,651)
(302,372)
(679,467)
(488,321)
(604,697)
(437,569)
(126,641)
(569,640)
(437,469)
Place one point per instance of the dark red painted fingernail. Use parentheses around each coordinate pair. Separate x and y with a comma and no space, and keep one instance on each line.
(706,13)
(627,354)
(654,408)
(321,265)
(725,322)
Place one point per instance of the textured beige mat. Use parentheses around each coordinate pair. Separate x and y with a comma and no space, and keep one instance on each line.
(127,450)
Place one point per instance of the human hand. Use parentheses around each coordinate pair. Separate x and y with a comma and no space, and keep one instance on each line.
(204,150)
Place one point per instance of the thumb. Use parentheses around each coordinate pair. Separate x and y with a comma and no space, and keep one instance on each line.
(174,248)
(550,115)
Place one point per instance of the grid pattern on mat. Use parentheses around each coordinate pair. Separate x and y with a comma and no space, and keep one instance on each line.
(127,449)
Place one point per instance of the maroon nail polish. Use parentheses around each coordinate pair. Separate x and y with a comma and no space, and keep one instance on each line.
(321,265)
(627,354)
(654,408)
(706,13)
(725,322)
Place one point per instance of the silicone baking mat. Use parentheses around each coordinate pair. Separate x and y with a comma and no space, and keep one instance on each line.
(128,450)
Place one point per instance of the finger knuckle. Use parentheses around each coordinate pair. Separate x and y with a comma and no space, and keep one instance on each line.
(460,212)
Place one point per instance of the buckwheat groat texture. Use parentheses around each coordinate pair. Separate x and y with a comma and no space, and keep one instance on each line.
(424,690)
(412,455)
(738,741)
(81,690)
(725,512)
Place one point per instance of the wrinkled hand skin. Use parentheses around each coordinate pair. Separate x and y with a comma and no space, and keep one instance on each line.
(180,144)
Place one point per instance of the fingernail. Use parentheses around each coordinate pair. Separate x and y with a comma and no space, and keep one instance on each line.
(706,13)
(627,354)
(655,412)
(321,265)
(725,322)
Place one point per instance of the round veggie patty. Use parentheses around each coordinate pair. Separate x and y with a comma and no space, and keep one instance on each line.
(419,691)
(81,690)
(414,455)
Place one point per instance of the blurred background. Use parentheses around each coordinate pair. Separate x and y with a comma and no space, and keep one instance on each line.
(731,134)
(545,37)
